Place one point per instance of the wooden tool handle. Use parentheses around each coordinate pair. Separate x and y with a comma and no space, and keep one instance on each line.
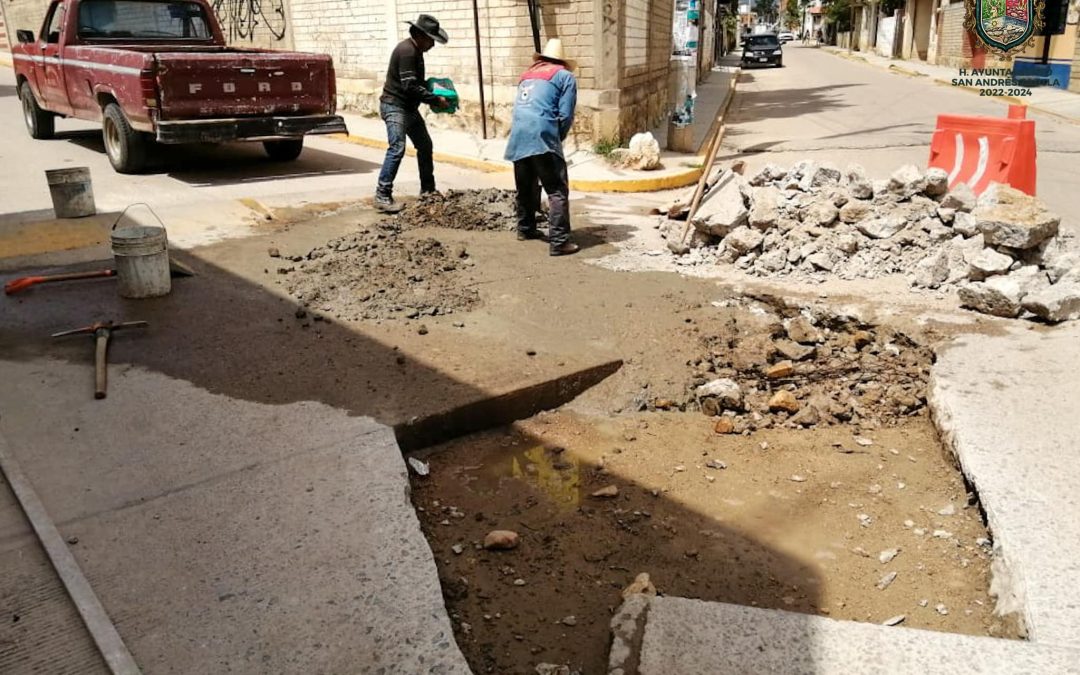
(100,363)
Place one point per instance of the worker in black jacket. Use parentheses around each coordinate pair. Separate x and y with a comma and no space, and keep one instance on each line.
(399,106)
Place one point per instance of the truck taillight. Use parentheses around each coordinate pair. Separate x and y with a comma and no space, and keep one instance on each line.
(148,88)
(332,87)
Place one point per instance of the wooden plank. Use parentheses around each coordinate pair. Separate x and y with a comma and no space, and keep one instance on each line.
(101,628)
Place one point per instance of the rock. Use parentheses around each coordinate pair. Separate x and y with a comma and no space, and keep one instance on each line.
(942,534)
(773,261)
(865,520)
(1008,217)
(946,215)
(641,585)
(725,391)
(962,198)
(906,181)
(796,478)
(765,211)
(848,243)
(781,369)
(1030,278)
(783,400)
(894,621)
(715,464)
(807,417)
(501,540)
(942,609)
(887,555)
(743,239)
(1057,260)
(886,581)
(820,214)
(822,260)
(933,270)
(937,182)
(421,468)
(457,549)
(855,211)
(551,669)
(607,492)
(770,173)
(722,210)
(863,442)
(1060,302)
(273,252)
(802,331)
(987,263)
(965,224)
(569,620)
(519,582)
(724,425)
(643,153)
(881,228)
(998,296)
(793,351)
(947,510)
(858,183)
(820,176)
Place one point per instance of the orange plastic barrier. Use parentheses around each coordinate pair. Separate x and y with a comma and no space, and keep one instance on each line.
(983,150)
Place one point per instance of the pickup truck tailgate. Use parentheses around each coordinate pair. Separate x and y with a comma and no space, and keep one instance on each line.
(239,83)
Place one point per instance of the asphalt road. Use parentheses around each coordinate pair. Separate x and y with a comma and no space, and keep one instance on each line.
(820,106)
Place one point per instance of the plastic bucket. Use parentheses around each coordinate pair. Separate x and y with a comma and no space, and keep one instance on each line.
(142,260)
(71,191)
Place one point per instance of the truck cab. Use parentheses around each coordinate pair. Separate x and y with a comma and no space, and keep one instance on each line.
(160,71)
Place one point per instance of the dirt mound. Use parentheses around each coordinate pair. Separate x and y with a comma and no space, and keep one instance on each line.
(489,209)
(378,274)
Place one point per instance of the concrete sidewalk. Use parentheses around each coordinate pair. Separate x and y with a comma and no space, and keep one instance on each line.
(1047,100)
(221,535)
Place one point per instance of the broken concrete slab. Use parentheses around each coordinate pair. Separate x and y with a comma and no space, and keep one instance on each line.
(1009,415)
(997,296)
(688,637)
(1060,302)
(1008,217)
(223,534)
(988,263)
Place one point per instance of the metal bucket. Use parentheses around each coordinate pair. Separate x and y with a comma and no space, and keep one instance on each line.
(71,191)
(142,259)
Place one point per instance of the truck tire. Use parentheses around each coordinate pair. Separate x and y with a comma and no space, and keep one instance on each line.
(284,151)
(125,146)
(40,123)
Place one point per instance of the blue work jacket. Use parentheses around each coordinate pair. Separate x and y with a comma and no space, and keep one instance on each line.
(543,111)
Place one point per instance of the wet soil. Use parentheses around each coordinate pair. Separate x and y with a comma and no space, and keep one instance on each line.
(787,519)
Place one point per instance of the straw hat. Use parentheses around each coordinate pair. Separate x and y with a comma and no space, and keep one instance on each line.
(553,52)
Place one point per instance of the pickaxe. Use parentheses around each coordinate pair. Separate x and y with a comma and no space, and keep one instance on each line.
(101,331)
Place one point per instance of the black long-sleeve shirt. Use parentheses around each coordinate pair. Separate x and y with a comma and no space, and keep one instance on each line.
(406,84)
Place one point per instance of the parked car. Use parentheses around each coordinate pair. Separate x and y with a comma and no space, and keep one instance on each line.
(786,36)
(159,70)
(763,49)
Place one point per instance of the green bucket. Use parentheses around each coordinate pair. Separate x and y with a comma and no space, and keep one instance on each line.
(443,86)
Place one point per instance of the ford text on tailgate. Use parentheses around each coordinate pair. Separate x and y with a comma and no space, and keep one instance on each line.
(159,70)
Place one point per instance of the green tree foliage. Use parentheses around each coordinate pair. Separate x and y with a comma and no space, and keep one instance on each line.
(765,10)
(838,13)
(793,14)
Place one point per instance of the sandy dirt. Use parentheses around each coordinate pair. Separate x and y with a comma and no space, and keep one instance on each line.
(795,520)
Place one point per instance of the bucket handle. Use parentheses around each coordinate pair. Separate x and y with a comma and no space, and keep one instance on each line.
(124,212)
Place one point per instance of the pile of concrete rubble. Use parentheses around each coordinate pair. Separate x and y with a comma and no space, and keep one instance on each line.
(1001,250)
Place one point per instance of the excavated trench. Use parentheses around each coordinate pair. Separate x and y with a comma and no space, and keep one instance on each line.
(846,505)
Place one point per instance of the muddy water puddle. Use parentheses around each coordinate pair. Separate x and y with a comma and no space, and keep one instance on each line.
(802,520)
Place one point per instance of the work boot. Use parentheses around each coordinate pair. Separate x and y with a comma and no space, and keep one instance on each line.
(566,248)
(432,194)
(527,236)
(385,204)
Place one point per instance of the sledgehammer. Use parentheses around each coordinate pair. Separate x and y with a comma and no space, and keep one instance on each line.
(101,331)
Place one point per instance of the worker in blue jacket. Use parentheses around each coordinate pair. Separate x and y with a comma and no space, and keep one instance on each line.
(543,116)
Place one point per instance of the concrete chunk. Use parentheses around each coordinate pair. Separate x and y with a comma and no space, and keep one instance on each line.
(1060,302)
(1008,217)
(987,263)
(961,198)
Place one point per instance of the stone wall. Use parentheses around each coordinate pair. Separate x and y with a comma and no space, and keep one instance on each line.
(643,88)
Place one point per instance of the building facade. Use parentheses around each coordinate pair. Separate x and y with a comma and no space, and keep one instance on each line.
(623,50)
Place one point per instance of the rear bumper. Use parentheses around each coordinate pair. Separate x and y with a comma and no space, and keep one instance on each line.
(247,129)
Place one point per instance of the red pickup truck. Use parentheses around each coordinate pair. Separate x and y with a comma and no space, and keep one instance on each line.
(159,70)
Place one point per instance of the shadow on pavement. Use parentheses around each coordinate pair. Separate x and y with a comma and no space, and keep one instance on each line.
(206,165)
(758,105)
(8,90)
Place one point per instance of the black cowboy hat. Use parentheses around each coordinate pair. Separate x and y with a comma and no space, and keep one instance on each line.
(429,25)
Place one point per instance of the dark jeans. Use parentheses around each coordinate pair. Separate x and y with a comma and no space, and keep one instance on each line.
(401,122)
(548,170)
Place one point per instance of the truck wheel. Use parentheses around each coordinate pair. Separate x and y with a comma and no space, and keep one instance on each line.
(40,123)
(284,151)
(125,146)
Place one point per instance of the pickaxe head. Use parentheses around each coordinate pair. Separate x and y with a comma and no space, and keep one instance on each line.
(109,326)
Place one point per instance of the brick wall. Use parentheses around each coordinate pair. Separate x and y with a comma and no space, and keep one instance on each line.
(3,32)
(643,96)
(951,37)
(23,14)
